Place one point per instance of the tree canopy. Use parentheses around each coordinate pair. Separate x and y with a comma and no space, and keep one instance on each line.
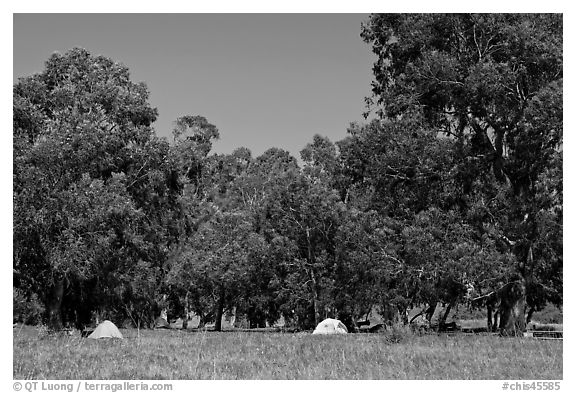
(453,192)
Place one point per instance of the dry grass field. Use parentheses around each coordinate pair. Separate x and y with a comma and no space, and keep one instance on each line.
(173,354)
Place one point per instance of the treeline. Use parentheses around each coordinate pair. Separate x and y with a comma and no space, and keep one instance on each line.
(453,192)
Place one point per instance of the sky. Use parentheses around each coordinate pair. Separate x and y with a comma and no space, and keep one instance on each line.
(265,80)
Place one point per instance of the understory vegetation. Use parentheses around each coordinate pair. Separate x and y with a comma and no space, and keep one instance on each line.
(451,193)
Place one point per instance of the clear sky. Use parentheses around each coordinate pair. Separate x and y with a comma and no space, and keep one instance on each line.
(263,79)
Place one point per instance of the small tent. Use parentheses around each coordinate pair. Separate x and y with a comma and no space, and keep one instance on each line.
(330,326)
(106,329)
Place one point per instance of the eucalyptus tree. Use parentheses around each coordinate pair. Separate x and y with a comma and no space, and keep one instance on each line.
(491,83)
(91,181)
(214,264)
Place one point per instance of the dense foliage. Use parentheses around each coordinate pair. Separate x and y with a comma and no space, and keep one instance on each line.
(454,191)
(491,85)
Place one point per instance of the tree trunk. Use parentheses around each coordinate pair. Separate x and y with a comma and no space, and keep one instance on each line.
(444,316)
(313,279)
(489,316)
(315,300)
(529,315)
(512,309)
(498,165)
(186,313)
(493,310)
(55,306)
(403,315)
(430,312)
(219,311)
(495,326)
(256,318)
(233,318)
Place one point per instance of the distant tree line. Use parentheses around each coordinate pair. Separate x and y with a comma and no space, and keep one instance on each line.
(453,192)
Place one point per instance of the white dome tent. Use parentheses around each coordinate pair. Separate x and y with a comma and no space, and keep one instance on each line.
(330,326)
(106,330)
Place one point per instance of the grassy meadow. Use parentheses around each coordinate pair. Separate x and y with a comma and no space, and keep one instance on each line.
(174,354)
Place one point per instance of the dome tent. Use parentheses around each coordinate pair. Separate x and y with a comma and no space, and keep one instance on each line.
(106,330)
(330,326)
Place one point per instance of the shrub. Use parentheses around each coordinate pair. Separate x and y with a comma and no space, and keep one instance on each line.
(26,309)
(398,333)
(550,314)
